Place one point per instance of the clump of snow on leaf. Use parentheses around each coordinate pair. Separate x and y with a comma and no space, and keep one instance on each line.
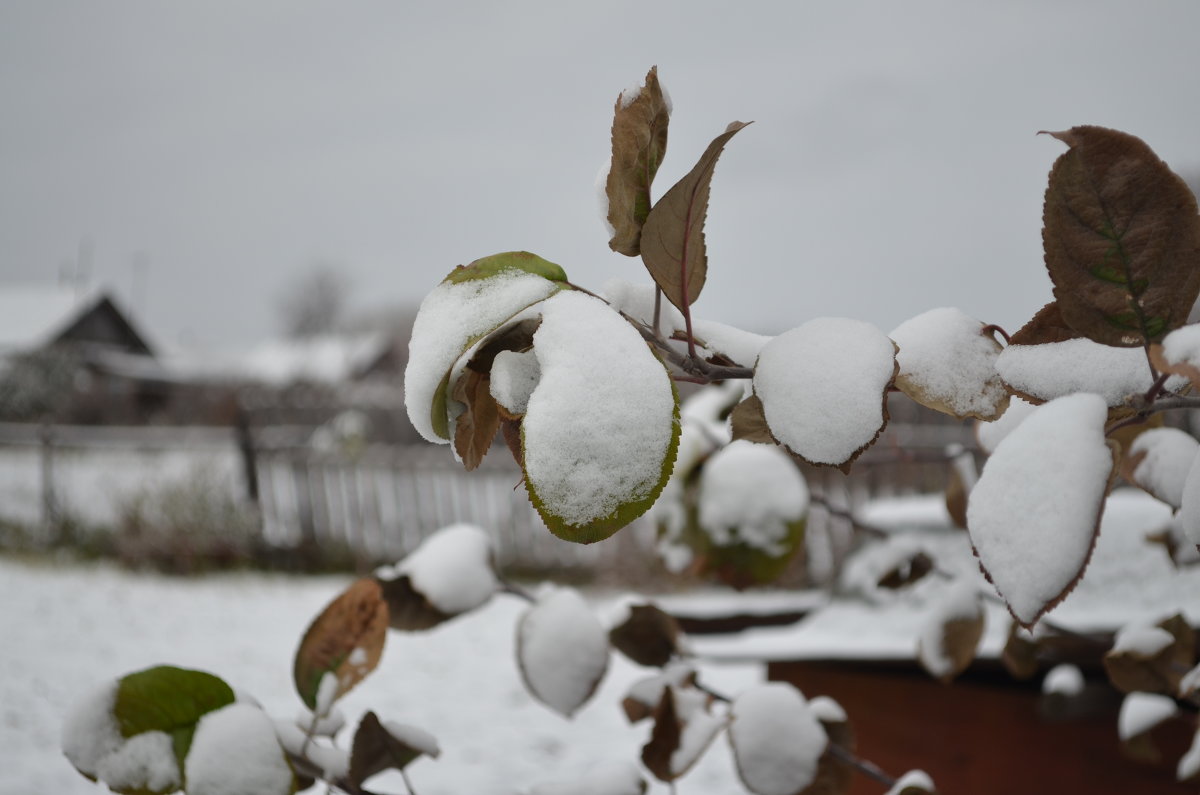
(145,761)
(1055,369)
(414,737)
(739,345)
(749,493)
(600,425)
(777,740)
(1142,639)
(1182,346)
(1034,513)
(452,569)
(1064,679)
(1189,764)
(700,727)
(990,434)
(912,780)
(514,377)
(234,752)
(957,603)
(822,387)
(1166,457)
(1141,712)
(451,317)
(562,650)
(637,301)
(948,363)
(90,731)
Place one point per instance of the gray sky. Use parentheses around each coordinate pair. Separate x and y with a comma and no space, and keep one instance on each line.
(893,165)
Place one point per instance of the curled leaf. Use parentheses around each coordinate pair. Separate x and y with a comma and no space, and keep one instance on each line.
(648,636)
(345,641)
(683,730)
(1122,238)
(672,243)
(639,143)
(749,423)
(952,632)
(476,427)
(1151,659)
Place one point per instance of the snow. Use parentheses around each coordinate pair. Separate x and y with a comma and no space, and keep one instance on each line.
(327,693)
(700,728)
(959,602)
(636,299)
(749,493)
(562,649)
(990,434)
(33,315)
(452,317)
(1182,346)
(863,571)
(1189,764)
(145,761)
(235,752)
(333,762)
(90,732)
(514,377)
(945,355)
(1064,679)
(599,425)
(1168,456)
(1141,712)
(614,778)
(1189,503)
(1032,515)
(452,569)
(414,737)
(822,387)
(1055,369)
(827,710)
(67,628)
(777,740)
(1190,683)
(918,779)
(741,346)
(648,691)
(1142,640)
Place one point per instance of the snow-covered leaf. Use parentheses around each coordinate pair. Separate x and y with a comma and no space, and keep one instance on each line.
(1035,513)
(683,730)
(562,650)
(235,752)
(948,363)
(1054,369)
(951,632)
(990,434)
(639,141)
(514,376)
(672,243)
(823,388)
(1141,712)
(1179,354)
(648,636)
(777,740)
(342,645)
(1122,238)
(391,746)
(1151,658)
(1159,460)
(643,697)
(1063,680)
(452,570)
(471,303)
(601,428)
(1020,655)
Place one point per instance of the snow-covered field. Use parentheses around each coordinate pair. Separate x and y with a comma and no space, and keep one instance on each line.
(64,630)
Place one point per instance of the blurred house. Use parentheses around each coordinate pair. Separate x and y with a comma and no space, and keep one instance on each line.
(75,357)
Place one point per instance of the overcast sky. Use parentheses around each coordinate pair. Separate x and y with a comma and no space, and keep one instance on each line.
(893,166)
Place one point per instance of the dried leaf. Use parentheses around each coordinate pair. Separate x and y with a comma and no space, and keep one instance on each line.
(957,494)
(648,637)
(906,572)
(672,244)
(664,738)
(639,143)
(510,429)
(345,640)
(408,609)
(749,423)
(1132,670)
(1045,327)
(1122,239)
(683,731)
(1020,655)
(377,749)
(946,646)
(476,427)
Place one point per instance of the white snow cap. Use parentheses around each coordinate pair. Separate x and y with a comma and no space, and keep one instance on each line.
(453,569)
(827,710)
(1055,369)
(637,301)
(944,353)
(514,377)
(822,387)
(1142,639)
(990,434)
(600,422)
(741,346)
(1167,456)
(913,778)
(700,727)
(235,752)
(1141,712)
(1064,679)
(1189,764)
(1182,346)
(749,493)
(562,650)
(144,761)
(1033,514)
(414,737)
(453,316)
(959,602)
(777,740)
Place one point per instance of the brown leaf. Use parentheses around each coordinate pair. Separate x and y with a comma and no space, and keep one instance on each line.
(1020,653)
(960,638)
(1130,670)
(834,774)
(639,142)
(648,637)
(517,337)
(664,738)
(1044,327)
(672,244)
(476,427)
(346,640)
(749,422)
(376,749)
(956,498)
(1122,239)
(510,429)
(906,572)
(408,609)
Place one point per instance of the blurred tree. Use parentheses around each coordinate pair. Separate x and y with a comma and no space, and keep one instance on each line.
(314,303)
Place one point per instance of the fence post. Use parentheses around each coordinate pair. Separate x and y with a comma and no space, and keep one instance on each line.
(50,523)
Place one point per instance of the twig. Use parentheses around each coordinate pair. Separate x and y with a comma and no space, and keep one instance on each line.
(407,782)
(872,530)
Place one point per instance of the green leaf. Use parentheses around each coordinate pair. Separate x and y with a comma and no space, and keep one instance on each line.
(170,700)
(639,143)
(1122,239)
(497,264)
(672,243)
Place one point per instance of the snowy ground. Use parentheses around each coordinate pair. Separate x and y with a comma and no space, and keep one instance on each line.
(66,629)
